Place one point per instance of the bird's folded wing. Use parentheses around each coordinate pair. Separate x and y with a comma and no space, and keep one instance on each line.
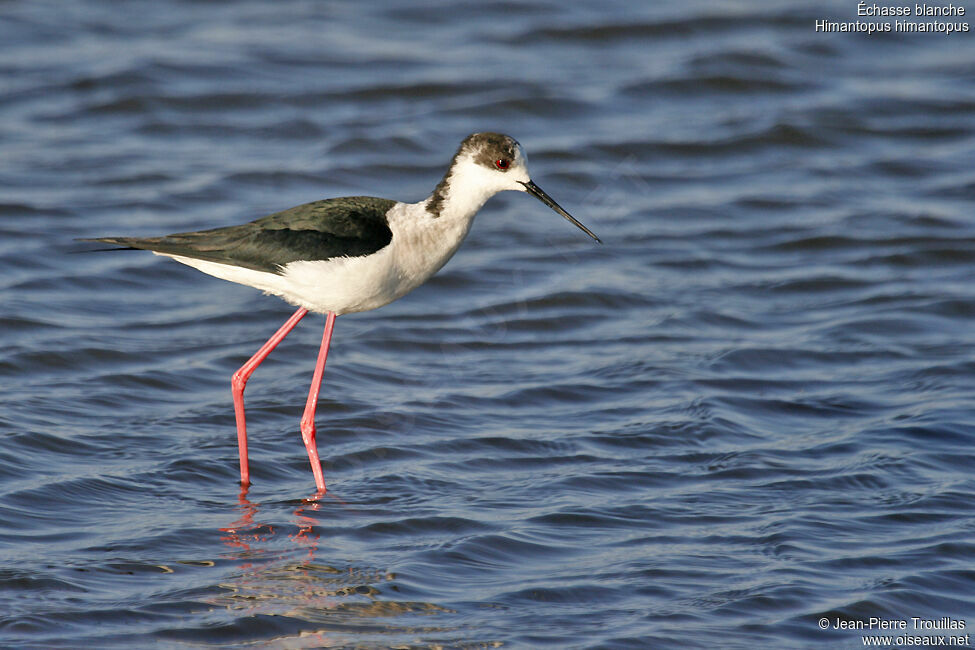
(342,227)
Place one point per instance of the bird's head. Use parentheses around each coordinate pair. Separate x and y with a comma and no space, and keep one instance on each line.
(496,162)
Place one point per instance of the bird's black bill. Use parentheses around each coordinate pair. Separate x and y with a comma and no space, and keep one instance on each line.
(537,192)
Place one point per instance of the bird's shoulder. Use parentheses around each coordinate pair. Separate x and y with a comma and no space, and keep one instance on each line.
(347,216)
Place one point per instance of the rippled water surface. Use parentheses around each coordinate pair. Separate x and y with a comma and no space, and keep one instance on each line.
(752,408)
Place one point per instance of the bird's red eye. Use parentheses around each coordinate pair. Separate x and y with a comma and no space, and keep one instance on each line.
(501,163)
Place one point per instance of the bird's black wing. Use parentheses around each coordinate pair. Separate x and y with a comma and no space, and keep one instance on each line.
(350,226)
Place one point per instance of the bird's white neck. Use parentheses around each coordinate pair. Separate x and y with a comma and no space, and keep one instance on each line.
(463,191)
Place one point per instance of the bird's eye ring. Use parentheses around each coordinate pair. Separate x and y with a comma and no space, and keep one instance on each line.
(501,164)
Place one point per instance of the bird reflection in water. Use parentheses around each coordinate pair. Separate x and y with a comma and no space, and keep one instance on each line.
(279,576)
(245,532)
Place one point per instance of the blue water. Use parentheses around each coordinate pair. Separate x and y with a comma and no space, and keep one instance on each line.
(752,408)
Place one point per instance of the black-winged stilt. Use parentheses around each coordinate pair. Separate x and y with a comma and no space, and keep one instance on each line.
(345,255)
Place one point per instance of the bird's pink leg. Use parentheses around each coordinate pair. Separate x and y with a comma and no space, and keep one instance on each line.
(239,380)
(308,418)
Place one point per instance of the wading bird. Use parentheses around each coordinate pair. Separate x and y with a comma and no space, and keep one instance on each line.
(346,255)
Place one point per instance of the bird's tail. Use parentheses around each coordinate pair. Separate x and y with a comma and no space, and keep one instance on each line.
(121,244)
